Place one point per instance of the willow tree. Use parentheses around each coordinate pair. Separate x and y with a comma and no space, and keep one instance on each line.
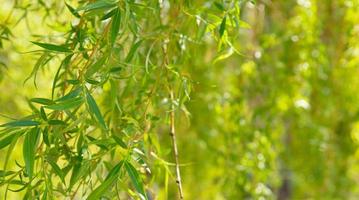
(119,88)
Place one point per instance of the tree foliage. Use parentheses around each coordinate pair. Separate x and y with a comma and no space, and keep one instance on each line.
(167,99)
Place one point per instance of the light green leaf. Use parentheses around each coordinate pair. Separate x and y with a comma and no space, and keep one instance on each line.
(100,4)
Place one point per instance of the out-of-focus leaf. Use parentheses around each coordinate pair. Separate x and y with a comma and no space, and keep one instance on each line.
(222,27)
(95,67)
(29,150)
(105,185)
(132,51)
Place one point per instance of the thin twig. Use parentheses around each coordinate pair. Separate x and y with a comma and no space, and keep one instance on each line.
(174,144)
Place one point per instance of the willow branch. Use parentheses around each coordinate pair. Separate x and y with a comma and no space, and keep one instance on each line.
(174,144)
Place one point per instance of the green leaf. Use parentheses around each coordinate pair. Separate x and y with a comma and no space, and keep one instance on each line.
(56,122)
(222,27)
(135,178)
(72,10)
(42,101)
(95,67)
(115,26)
(57,170)
(110,179)
(132,51)
(100,4)
(52,47)
(20,123)
(6,140)
(119,141)
(94,110)
(67,104)
(74,93)
(64,63)
(29,150)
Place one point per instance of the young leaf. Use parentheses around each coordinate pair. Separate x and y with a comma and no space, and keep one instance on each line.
(94,110)
(52,47)
(20,123)
(29,150)
(135,178)
(110,179)
(115,26)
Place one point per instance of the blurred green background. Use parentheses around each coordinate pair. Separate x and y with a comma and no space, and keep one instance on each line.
(280,121)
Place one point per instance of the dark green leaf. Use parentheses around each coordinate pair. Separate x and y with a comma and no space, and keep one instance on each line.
(116,21)
(52,47)
(42,101)
(57,170)
(65,105)
(56,122)
(6,140)
(135,178)
(29,150)
(72,10)
(110,179)
(222,27)
(20,123)
(119,141)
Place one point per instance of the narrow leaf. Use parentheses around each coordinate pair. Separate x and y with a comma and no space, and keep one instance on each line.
(42,101)
(135,178)
(115,26)
(20,123)
(94,110)
(52,47)
(222,27)
(65,105)
(110,179)
(132,51)
(29,150)
(98,5)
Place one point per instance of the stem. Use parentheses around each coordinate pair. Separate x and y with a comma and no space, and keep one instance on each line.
(174,144)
